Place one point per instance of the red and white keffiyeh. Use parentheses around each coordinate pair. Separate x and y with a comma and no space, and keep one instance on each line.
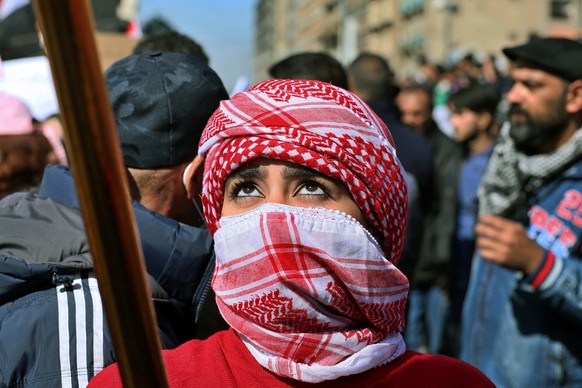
(317,125)
(309,291)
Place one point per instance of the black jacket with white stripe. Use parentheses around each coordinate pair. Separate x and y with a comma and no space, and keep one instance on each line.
(52,329)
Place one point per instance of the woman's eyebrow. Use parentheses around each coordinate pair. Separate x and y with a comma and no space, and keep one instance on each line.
(248,172)
(301,172)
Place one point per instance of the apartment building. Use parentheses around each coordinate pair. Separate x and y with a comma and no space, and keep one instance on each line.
(404,30)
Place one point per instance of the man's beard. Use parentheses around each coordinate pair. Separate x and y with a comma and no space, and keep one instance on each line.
(529,134)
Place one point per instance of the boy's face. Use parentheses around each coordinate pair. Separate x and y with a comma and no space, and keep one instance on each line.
(466,124)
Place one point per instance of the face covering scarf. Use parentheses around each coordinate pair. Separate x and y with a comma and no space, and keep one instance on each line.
(309,292)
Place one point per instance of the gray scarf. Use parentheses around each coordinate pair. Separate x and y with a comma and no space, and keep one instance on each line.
(511,176)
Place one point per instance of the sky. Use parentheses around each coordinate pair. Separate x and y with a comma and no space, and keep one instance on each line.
(224,28)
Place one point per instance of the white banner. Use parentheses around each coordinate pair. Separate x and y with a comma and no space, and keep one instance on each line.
(31,80)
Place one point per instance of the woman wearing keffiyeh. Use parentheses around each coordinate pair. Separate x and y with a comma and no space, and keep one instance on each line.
(307,203)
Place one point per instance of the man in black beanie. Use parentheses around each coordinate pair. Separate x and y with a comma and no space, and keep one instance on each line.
(523,312)
(53,332)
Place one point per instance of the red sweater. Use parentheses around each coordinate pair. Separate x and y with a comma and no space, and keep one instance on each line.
(223,360)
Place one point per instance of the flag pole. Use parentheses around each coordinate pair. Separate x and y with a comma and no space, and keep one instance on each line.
(101,181)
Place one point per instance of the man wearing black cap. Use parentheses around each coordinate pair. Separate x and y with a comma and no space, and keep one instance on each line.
(52,331)
(523,313)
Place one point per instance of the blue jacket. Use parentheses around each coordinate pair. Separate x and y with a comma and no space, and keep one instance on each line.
(52,329)
(526,331)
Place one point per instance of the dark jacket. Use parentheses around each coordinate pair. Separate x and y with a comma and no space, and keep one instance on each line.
(52,330)
(436,252)
(416,156)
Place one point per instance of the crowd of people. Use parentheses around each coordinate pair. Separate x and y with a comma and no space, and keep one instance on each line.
(332,224)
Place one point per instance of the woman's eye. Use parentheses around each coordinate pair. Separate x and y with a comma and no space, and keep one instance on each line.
(245,190)
(311,188)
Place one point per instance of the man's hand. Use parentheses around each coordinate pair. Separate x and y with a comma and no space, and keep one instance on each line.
(506,243)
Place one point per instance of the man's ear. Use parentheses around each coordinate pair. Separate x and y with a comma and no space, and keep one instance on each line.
(193,177)
(574,99)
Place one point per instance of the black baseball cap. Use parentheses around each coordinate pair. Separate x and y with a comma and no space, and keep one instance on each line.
(161,103)
(558,56)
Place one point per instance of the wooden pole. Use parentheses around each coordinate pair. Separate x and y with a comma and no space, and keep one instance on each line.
(101,181)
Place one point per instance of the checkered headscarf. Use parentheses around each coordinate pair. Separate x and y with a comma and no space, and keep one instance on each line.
(313,124)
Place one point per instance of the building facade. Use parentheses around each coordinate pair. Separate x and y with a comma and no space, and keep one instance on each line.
(403,31)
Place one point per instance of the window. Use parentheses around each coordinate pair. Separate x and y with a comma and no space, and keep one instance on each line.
(560,9)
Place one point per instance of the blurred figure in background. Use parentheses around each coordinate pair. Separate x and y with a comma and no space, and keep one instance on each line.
(415,105)
(426,74)
(371,79)
(473,117)
(311,65)
(441,91)
(24,149)
(171,41)
(428,300)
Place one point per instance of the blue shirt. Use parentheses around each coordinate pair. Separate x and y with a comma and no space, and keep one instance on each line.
(471,174)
